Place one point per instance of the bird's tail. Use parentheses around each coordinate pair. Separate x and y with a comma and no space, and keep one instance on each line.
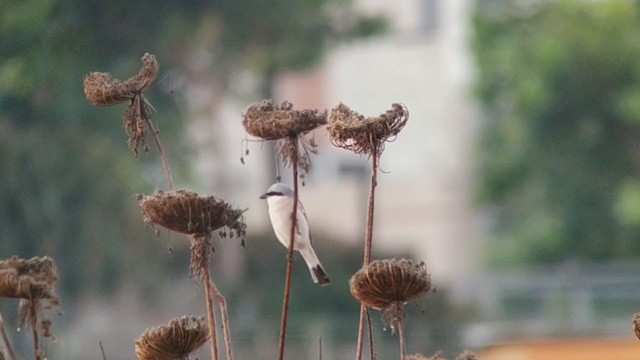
(318,274)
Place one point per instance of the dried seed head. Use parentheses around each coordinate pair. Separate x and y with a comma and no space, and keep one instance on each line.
(271,122)
(187,212)
(352,131)
(175,340)
(385,282)
(467,355)
(102,90)
(28,279)
(636,324)
(436,356)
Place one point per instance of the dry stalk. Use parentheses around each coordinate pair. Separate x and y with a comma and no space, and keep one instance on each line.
(224,313)
(5,339)
(352,131)
(287,285)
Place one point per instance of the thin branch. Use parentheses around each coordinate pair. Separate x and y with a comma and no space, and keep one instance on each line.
(156,140)
(368,245)
(104,356)
(372,353)
(287,285)
(211,315)
(400,326)
(225,319)
(34,329)
(5,339)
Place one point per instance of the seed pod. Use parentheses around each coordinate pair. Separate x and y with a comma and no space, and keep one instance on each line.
(352,131)
(175,340)
(187,212)
(271,122)
(382,283)
(102,90)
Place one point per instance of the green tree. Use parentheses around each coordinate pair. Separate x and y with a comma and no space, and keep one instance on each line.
(67,176)
(560,86)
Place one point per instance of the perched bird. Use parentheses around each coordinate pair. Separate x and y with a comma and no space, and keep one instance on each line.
(280,201)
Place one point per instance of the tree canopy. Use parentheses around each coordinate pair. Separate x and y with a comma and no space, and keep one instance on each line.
(560,85)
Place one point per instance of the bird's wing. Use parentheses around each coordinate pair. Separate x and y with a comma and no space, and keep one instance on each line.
(304,214)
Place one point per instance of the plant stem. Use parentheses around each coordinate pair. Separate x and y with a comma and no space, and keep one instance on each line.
(34,329)
(224,314)
(368,240)
(104,356)
(287,285)
(211,315)
(400,326)
(156,140)
(5,339)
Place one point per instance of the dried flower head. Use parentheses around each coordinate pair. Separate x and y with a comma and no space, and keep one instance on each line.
(28,279)
(269,121)
(436,356)
(280,122)
(636,324)
(352,131)
(175,340)
(101,90)
(389,284)
(467,355)
(383,282)
(189,213)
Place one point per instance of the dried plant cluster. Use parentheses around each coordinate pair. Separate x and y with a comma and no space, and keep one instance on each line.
(636,324)
(382,283)
(352,131)
(466,355)
(189,213)
(102,90)
(175,340)
(269,121)
(30,279)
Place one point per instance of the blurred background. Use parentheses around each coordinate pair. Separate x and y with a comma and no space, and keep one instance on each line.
(516,179)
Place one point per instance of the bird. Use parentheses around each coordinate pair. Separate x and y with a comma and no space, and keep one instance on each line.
(279,198)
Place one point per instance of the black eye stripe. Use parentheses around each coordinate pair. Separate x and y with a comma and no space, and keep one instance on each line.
(274,193)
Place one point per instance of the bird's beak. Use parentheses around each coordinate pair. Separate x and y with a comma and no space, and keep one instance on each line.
(263,196)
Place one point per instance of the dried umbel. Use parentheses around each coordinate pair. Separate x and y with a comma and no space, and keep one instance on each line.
(467,355)
(189,213)
(173,341)
(269,121)
(102,90)
(382,283)
(436,356)
(636,324)
(352,131)
(31,279)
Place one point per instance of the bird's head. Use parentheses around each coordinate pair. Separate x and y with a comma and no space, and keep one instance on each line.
(277,189)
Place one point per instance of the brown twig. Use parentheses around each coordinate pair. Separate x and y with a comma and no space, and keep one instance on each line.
(5,339)
(320,348)
(211,315)
(287,285)
(34,329)
(104,356)
(156,140)
(368,241)
(224,314)
(400,326)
